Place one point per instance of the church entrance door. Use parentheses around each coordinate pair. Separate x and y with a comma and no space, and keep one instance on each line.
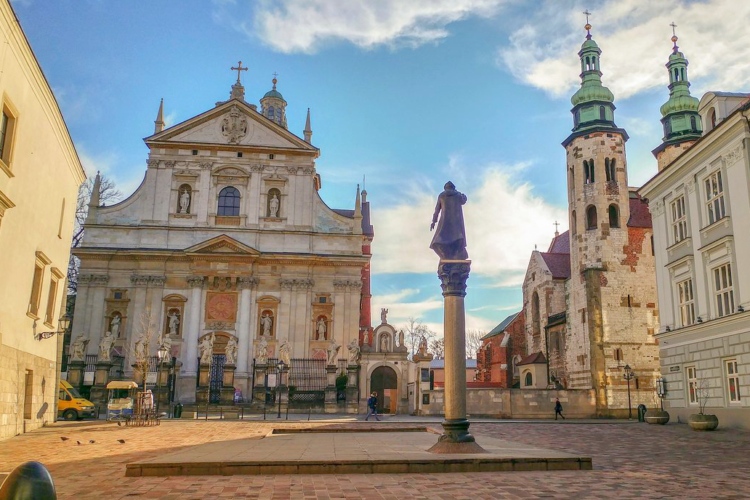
(217,378)
(384,381)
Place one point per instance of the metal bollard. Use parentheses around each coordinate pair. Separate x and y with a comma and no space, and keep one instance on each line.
(28,481)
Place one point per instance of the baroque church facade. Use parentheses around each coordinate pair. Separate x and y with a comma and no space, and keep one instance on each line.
(590,300)
(225,254)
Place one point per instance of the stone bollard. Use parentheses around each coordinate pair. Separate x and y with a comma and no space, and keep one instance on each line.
(28,481)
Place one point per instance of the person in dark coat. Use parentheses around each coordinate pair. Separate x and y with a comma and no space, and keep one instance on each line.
(449,241)
(558,409)
(372,406)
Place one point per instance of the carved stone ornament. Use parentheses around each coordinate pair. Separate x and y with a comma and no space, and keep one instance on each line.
(256,168)
(245,282)
(206,164)
(732,157)
(147,280)
(347,284)
(93,279)
(453,276)
(169,164)
(153,163)
(195,281)
(308,170)
(220,325)
(234,125)
(296,284)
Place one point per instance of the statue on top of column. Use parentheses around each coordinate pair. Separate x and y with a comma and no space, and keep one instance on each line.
(449,242)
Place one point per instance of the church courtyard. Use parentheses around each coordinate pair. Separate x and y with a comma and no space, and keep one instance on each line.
(631,460)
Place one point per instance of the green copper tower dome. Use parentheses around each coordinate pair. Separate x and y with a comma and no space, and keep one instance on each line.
(680,116)
(593,103)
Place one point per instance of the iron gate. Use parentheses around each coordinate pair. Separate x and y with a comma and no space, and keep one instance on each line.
(306,380)
(216,381)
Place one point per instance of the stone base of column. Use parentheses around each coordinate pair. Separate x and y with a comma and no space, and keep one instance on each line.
(75,373)
(456,439)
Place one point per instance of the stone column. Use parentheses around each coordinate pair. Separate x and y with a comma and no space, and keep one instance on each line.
(191,328)
(243,324)
(456,438)
(352,388)
(330,402)
(98,394)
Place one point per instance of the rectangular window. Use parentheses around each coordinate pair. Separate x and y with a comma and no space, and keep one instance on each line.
(733,380)
(723,290)
(679,220)
(715,197)
(687,304)
(3,131)
(7,129)
(36,290)
(692,384)
(50,314)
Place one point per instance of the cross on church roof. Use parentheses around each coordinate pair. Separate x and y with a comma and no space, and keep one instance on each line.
(238,69)
(588,26)
(556,224)
(673,25)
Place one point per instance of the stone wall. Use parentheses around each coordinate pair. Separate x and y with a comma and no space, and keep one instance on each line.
(517,403)
(14,405)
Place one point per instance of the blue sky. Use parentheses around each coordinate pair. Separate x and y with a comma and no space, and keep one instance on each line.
(409,94)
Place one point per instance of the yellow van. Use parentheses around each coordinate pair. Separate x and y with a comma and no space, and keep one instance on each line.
(71,405)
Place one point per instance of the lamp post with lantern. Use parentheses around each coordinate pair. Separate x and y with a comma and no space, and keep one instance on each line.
(629,375)
(280,367)
(161,355)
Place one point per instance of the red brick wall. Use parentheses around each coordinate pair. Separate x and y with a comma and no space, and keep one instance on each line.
(493,371)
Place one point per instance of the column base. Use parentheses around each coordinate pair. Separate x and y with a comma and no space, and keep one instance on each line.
(456,438)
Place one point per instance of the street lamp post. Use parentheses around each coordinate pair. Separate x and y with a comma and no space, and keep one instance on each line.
(280,367)
(628,375)
(62,326)
(661,390)
(161,355)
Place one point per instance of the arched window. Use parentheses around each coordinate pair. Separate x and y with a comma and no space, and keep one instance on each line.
(535,316)
(593,63)
(712,117)
(528,380)
(682,74)
(573,223)
(614,216)
(609,169)
(588,63)
(274,203)
(591,217)
(667,128)
(184,199)
(588,171)
(693,124)
(602,113)
(229,202)
(676,75)
(271,113)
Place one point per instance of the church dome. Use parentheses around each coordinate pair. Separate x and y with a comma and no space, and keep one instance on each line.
(681,103)
(275,94)
(590,92)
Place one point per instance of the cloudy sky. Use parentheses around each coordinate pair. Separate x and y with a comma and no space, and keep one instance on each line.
(409,93)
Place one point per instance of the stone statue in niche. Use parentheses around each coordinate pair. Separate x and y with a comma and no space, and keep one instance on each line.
(261,351)
(184,202)
(266,322)
(449,242)
(114,325)
(401,338)
(384,343)
(333,351)
(353,352)
(206,349)
(273,206)
(366,337)
(284,352)
(320,331)
(105,346)
(384,315)
(230,351)
(174,322)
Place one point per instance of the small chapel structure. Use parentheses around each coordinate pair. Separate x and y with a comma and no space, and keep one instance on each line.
(227,255)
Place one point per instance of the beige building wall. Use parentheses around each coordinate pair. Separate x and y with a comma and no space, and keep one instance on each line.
(39,178)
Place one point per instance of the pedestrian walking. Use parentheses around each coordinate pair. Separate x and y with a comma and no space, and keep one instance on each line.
(558,409)
(372,406)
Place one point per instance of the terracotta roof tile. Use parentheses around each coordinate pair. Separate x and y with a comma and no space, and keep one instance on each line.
(558,264)
(533,359)
(560,243)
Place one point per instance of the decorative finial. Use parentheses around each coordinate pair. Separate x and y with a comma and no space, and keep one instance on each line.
(274,79)
(556,224)
(238,69)
(674,37)
(588,26)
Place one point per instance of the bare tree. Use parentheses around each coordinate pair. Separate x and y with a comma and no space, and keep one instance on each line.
(437,347)
(414,331)
(145,338)
(473,342)
(108,194)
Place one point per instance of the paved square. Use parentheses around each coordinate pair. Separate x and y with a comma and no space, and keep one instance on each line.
(630,461)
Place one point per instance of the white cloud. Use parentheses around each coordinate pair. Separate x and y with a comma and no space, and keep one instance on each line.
(108,163)
(504,220)
(634,38)
(305,25)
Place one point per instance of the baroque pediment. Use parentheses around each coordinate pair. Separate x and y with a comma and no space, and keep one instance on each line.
(231,123)
(222,245)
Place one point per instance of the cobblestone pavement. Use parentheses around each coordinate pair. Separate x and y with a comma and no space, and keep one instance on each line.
(630,461)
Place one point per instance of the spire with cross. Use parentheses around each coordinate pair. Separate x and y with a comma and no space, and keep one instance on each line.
(557,233)
(588,26)
(238,69)
(675,48)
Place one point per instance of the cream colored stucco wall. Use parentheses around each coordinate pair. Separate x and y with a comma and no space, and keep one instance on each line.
(42,175)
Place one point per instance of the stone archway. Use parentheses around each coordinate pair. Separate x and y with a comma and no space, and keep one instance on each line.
(384,381)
